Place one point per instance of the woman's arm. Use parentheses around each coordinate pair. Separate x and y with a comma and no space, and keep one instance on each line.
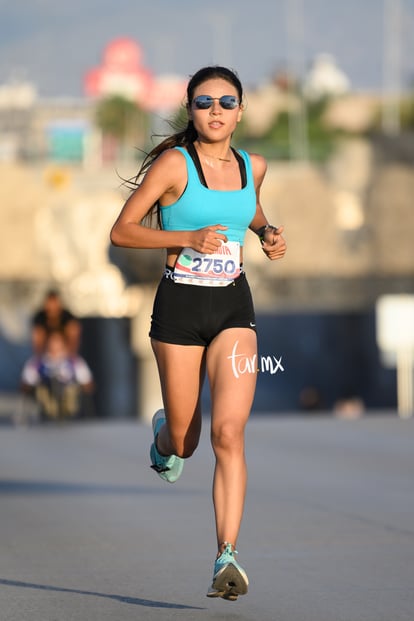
(161,181)
(165,181)
(273,244)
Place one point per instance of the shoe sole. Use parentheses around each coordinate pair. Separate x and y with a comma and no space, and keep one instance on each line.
(229,583)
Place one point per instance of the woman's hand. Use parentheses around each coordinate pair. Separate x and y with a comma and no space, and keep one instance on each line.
(208,239)
(274,245)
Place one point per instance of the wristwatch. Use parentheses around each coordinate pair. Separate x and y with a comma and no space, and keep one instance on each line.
(261,232)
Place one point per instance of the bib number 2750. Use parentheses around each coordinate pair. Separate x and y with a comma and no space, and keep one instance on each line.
(218,269)
(217,266)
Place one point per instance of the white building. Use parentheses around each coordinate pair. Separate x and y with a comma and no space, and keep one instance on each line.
(325,78)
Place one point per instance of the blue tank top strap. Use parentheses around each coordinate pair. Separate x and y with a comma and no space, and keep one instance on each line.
(248,163)
(191,168)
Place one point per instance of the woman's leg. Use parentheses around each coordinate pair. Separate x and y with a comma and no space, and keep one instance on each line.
(181,371)
(232,371)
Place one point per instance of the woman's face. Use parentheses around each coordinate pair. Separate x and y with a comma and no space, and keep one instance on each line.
(216,123)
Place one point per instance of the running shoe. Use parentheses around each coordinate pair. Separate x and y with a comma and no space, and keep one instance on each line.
(168,468)
(229,578)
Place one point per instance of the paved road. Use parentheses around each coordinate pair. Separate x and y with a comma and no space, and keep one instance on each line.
(89,533)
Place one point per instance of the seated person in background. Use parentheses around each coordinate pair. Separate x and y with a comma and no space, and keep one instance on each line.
(53,316)
(57,379)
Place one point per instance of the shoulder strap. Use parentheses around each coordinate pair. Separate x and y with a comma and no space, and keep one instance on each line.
(196,160)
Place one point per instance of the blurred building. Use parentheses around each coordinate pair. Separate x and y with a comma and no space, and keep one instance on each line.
(32,128)
(325,79)
(122,72)
(17,100)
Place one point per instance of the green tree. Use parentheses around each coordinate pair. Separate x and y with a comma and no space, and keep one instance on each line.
(123,120)
(276,142)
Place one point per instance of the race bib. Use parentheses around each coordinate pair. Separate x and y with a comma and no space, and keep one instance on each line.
(208,270)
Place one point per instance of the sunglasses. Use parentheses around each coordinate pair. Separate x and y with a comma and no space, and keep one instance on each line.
(204,102)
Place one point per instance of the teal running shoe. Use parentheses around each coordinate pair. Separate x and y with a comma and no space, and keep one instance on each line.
(229,579)
(168,468)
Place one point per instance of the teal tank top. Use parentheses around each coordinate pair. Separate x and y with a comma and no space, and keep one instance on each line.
(199,206)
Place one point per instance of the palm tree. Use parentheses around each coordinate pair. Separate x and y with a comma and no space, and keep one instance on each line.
(122,123)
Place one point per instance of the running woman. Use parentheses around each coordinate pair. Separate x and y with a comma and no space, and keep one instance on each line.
(206,194)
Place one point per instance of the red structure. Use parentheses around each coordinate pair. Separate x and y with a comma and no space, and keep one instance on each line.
(122,73)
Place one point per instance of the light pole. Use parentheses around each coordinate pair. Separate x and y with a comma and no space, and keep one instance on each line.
(221,38)
(392,16)
(295,28)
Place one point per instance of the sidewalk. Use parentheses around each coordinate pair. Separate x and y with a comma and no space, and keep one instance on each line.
(88,532)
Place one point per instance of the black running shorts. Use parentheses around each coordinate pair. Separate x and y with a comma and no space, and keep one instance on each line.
(194,315)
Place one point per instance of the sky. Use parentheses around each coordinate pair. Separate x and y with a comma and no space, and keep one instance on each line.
(53,43)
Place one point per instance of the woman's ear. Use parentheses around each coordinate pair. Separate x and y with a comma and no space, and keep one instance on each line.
(240,113)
